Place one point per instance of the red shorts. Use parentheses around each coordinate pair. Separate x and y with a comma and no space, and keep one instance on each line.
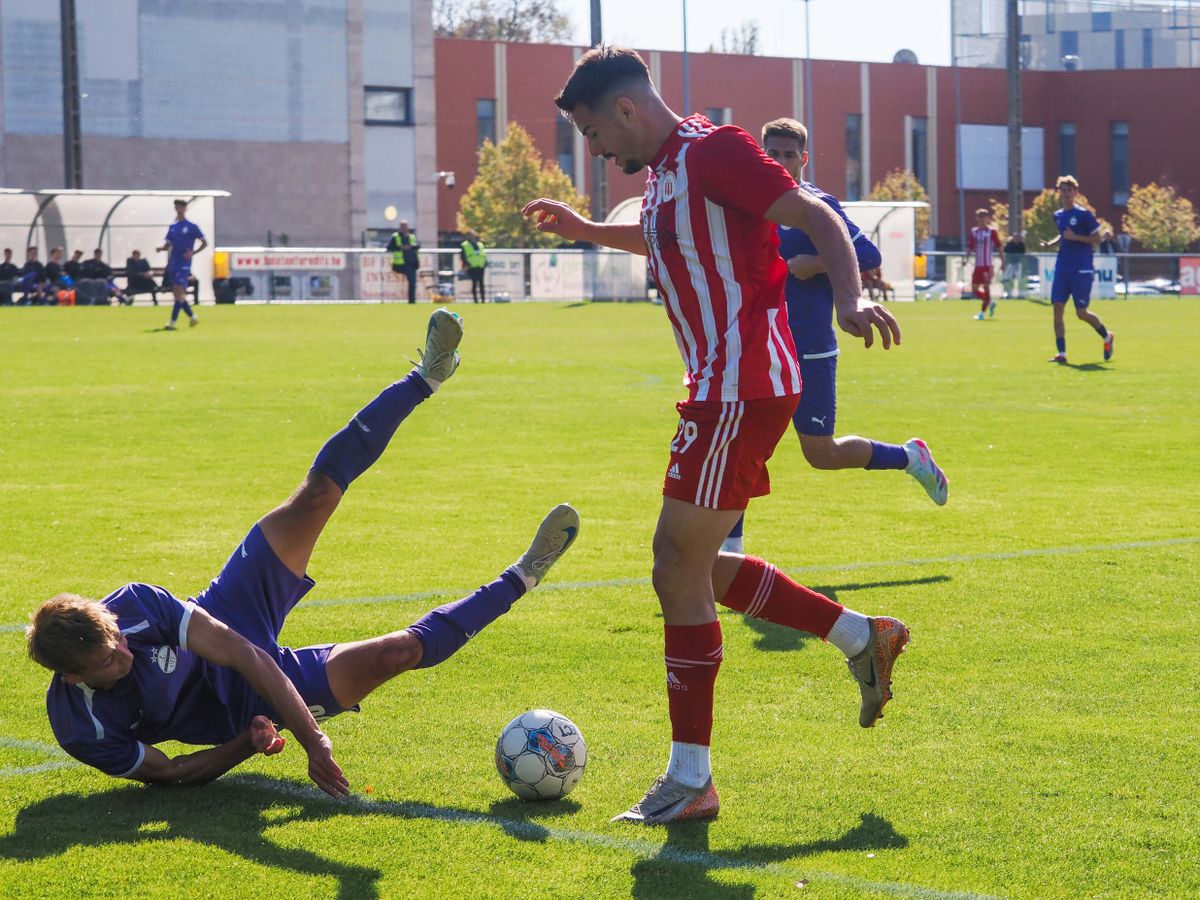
(981,275)
(720,451)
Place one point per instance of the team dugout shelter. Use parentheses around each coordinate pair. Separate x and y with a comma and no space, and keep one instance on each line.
(118,222)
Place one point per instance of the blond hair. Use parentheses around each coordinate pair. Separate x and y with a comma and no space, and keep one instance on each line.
(1067,181)
(67,629)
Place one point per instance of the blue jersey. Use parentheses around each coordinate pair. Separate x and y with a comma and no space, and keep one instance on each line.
(169,694)
(810,302)
(1075,256)
(182,236)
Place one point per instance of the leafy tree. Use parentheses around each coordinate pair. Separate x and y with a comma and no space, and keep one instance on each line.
(1039,218)
(902,184)
(511,173)
(521,21)
(741,40)
(1159,220)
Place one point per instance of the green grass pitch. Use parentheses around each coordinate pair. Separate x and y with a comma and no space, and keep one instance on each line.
(1043,738)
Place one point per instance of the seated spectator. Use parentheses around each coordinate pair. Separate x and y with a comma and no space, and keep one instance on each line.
(72,266)
(32,279)
(8,277)
(58,283)
(99,270)
(137,277)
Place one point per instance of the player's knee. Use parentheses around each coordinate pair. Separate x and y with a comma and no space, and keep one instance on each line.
(399,653)
(318,494)
(1081,312)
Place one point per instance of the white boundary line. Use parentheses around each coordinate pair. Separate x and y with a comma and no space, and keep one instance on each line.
(828,567)
(528,830)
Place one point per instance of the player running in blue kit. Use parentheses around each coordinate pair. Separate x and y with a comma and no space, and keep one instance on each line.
(180,241)
(141,666)
(1078,237)
(810,315)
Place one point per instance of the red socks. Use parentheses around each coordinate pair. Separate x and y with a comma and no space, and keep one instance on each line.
(762,591)
(693,657)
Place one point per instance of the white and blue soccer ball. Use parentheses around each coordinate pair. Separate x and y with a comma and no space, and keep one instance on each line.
(541,755)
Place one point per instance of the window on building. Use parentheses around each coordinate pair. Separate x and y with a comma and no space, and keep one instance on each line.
(1119,48)
(919,143)
(564,146)
(1066,149)
(1068,49)
(854,148)
(1120,163)
(485,121)
(1147,48)
(387,106)
(719,115)
(1101,21)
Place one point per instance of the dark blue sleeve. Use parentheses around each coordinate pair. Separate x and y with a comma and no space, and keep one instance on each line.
(867,253)
(1088,223)
(95,728)
(150,614)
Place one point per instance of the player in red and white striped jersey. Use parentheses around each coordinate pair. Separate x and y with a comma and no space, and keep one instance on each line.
(708,219)
(984,242)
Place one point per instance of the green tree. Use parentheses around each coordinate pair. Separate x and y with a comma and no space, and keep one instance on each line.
(902,184)
(1039,218)
(511,173)
(520,21)
(1159,220)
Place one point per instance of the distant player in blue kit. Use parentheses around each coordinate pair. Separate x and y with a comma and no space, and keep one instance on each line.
(1078,237)
(181,242)
(810,315)
(141,666)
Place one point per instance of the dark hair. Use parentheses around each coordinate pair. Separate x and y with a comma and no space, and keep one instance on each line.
(598,73)
(181,203)
(786,128)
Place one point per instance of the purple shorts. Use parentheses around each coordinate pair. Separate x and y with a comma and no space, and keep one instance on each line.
(253,595)
(817,412)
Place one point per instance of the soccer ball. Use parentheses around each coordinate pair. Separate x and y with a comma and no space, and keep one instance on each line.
(540,755)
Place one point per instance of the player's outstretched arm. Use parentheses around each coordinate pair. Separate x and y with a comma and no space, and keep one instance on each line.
(219,644)
(204,766)
(554,217)
(856,316)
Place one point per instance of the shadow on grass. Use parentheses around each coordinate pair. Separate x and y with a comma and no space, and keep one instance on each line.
(1085,367)
(232,815)
(772,637)
(682,867)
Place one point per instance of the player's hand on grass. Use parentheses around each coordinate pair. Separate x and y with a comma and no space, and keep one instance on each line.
(266,738)
(325,773)
(861,317)
(557,218)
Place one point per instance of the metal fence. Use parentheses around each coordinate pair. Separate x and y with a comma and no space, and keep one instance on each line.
(352,274)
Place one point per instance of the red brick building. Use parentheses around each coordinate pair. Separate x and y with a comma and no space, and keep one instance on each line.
(1112,129)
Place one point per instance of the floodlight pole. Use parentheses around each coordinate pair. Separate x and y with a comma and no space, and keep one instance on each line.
(1015,196)
(808,96)
(599,170)
(958,152)
(687,81)
(72,146)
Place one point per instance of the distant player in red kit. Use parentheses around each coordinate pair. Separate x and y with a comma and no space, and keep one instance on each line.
(984,242)
(707,225)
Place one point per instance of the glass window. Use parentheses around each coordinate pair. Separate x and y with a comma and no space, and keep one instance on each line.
(919,139)
(1147,48)
(387,106)
(719,115)
(1101,21)
(485,121)
(1120,163)
(854,186)
(1068,49)
(1119,48)
(564,146)
(1066,149)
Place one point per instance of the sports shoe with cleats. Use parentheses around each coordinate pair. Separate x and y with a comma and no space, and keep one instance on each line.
(1108,346)
(668,801)
(872,667)
(1060,358)
(440,357)
(554,536)
(928,474)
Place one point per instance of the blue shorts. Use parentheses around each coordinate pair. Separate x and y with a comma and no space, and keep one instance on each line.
(253,595)
(178,275)
(1072,284)
(817,413)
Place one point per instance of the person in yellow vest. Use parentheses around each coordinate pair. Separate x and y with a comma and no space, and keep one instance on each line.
(474,260)
(404,246)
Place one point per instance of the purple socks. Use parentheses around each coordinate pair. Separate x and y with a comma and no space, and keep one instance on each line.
(887,456)
(443,631)
(355,448)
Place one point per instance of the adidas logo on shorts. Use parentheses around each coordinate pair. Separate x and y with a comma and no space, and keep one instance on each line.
(673,472)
